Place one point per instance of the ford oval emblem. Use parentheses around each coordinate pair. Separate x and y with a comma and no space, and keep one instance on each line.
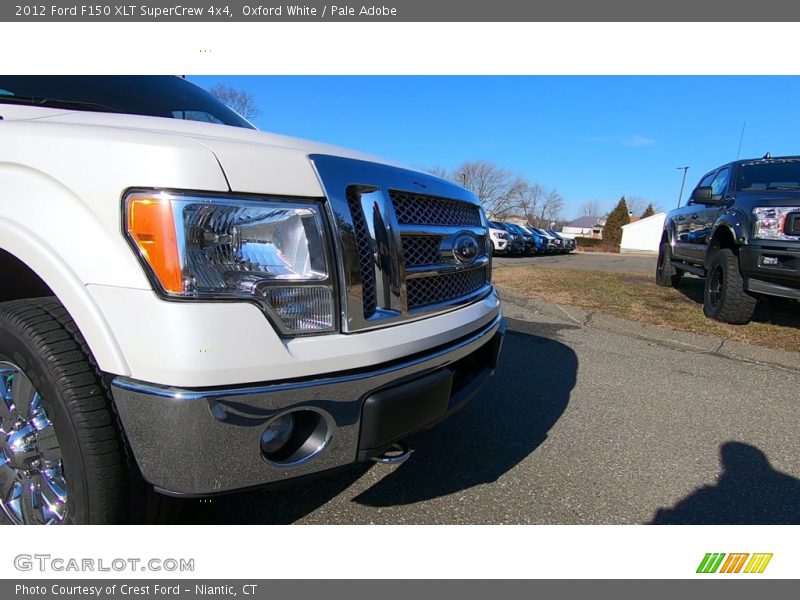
(465,249)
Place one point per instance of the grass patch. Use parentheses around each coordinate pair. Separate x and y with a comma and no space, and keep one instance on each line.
(776,323)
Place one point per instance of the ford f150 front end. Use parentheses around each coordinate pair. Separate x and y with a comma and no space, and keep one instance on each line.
(258,307)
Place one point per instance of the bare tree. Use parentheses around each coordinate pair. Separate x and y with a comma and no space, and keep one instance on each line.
(440,172)
(551,208)
(527,198)
(591,208)
(649,211)
(491,184)
(503,193)
(242,101)
(636,205)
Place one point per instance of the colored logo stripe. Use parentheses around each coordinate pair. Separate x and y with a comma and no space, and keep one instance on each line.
(710,562)
(733,564)
(758,563)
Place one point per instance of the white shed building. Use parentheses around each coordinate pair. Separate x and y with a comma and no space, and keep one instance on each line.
(585,227)
(643,236)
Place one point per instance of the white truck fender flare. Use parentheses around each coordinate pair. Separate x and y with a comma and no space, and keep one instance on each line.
(43,260)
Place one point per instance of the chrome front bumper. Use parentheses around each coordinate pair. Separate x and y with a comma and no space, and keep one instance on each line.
(202,442)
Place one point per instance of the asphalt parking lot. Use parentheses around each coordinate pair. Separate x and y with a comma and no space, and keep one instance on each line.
(590,261)
(580,426)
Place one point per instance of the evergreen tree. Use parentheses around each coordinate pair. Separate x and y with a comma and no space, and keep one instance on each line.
(649,211)
(612,232)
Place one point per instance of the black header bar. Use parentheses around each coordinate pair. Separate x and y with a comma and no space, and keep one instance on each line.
(187,11)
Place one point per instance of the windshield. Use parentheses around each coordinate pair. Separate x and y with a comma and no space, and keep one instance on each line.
(147,95)
(772,175)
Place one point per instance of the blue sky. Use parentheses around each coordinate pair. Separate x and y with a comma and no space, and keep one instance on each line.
(594,138)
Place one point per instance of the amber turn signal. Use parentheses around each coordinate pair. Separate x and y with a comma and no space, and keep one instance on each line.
(152,228)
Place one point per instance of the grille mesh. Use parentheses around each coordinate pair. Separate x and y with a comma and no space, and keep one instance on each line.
(420,250)
(364,252)
(424,291)
(419,209)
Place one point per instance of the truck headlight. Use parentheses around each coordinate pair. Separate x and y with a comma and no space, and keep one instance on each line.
(269,251)
(770,222)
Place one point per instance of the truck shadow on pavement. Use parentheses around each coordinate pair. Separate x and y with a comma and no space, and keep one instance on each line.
(504,424)
(777,311)
(748,492)
(528,394)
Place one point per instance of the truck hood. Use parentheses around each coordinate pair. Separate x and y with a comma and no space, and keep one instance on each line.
(253,161)
(775,198)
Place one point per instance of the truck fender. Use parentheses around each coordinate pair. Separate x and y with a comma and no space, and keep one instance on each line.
(668,234)
(49,232)
(43,260)
(733,225)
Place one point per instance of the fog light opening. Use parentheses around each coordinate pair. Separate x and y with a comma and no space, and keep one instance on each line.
(295,438)
(277,434)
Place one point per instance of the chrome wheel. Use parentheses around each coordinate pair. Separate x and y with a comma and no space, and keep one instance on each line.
(32,485)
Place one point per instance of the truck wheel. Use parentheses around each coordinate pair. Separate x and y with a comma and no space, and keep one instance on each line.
(666,274)
(61,458)
(725,298)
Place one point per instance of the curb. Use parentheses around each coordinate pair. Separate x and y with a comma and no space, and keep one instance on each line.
(677,340)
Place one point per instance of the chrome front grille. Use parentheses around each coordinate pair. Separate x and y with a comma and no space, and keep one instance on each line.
(423,209)
(404,254)
(365,251)
(425,291)
(422,250)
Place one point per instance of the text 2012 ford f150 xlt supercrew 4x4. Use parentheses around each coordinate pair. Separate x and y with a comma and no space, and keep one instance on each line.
(192,306)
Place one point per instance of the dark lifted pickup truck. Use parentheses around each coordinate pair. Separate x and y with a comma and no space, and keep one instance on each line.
(741,231)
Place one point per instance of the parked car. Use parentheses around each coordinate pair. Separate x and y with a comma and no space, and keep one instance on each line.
(539,239)
(528,240)
(555,245)
(191,306)
(568,244)
(740,231)
(499,239)
(516,243)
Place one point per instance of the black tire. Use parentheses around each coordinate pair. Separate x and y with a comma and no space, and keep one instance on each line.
(40,338)
(103,483)
(666,274)
(725,298)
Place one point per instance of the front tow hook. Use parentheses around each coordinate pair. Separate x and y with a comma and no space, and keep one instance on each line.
(396,454)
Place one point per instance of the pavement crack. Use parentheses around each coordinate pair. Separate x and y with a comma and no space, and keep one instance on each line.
(569,316)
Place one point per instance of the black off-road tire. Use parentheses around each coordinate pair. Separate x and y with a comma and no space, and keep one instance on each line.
(666,274)
(725,298)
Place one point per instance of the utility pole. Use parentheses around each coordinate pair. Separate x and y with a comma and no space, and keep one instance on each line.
(683,181)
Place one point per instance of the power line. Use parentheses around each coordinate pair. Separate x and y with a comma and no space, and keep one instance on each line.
(741,137)
(683,181)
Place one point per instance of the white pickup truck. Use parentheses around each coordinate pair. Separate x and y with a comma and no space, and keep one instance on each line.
(189,306)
